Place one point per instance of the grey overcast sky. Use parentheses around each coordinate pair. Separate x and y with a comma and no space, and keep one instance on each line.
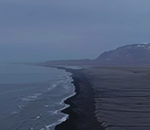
(35,30)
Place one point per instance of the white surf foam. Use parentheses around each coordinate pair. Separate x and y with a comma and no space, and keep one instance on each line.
(66,84)
(32,97)
(48,127)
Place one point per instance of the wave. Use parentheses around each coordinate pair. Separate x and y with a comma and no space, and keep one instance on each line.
(32,97)
(68,81)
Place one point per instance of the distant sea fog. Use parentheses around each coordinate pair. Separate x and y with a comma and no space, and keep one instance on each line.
(32,97)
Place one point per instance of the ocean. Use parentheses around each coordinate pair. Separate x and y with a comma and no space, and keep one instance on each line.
(32,97)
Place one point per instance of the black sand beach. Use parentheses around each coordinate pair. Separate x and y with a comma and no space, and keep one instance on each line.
(82,107)
(116,98)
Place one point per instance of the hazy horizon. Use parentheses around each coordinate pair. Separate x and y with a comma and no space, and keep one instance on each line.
(48,30)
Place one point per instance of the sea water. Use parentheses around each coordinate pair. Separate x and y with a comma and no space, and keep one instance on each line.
(32,97)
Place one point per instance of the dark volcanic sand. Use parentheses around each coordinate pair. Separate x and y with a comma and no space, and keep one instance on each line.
(82,109)
(122,96)
(119,97)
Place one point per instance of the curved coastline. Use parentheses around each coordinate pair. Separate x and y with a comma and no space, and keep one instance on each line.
(66,116)
(81,110)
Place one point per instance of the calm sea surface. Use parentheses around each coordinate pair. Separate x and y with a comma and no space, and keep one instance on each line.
(31,97)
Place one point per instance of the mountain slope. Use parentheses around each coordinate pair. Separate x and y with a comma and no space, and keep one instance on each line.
(129,55)
(136,54)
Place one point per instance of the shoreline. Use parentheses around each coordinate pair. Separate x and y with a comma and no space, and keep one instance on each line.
(66,116)
(81,110)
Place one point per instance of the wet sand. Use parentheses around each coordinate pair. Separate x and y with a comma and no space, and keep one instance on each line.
(82,109)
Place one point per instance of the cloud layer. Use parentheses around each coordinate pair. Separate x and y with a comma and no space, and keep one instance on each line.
(66,29)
